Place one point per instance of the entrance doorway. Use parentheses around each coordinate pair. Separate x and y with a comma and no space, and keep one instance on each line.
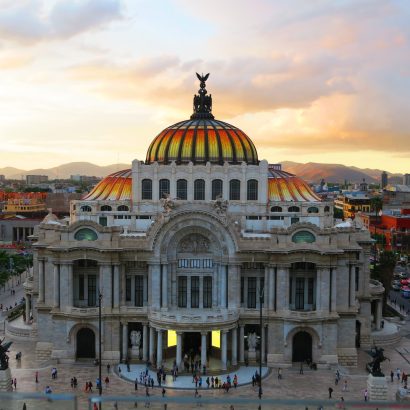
(192,344)
(85,344)
(358,331)
(302,347)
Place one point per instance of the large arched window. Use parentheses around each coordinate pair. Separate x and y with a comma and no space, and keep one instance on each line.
(276,209)
(313,210)
(217,188)
(182,189)
(146,189)
(106,208)
(163,188)
(123,208)
(293,209)
(234,190)
(86,208)
(252,190)
(85,234)
(303,237)
(199,190)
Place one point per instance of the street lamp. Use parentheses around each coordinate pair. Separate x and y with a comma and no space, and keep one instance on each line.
(261,291)
(100,296)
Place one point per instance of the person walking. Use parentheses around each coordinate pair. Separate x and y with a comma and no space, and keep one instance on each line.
(136,384)
(301,368)
(163,392)
(365,395)
(391,376)
(344,386)
(330,392)
(280,373)
(36,377)
(398,374)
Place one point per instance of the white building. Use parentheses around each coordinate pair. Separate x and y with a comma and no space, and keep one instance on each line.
(181,245)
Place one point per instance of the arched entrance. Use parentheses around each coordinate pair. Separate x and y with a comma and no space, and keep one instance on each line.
(302,347)
(85,343)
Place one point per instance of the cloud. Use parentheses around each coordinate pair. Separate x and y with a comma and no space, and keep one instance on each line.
(28,23)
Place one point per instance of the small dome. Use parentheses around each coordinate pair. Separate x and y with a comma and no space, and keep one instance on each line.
(114,187)
(50,218)
(201,140)
(283,186)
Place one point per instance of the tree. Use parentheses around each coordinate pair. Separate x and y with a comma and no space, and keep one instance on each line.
(384,271)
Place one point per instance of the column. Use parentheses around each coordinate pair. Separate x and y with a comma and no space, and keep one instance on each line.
(234,346)
(263,344)
(266,291)
(116,290)
(124,341)
(155,284)
(41,280)
(222,275)
(179,351)
(283,288)
(70,281)
(144,342)
(352,289)
(224,350)
(123,285)
(271,288)
(151,344)
(334,289)
(233,286)
(378,318)
(325,289)
(64,285)
(56,302)
(106,285)
(164,285)
(159,348)
(241,343)
(318,289)
(27,308)
(203,349)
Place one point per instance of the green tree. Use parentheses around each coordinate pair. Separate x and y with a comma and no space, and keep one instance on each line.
(383,271)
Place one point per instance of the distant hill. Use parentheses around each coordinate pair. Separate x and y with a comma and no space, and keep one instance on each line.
(314,172)
(65,170)
(311,172)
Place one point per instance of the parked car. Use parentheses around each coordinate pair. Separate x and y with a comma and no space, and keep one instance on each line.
(395,286)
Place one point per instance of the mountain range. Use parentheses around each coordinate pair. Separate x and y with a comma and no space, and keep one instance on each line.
(311,172)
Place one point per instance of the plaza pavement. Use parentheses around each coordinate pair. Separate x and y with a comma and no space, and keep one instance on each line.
(311,385)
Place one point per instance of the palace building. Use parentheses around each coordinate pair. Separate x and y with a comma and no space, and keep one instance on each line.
(186,246)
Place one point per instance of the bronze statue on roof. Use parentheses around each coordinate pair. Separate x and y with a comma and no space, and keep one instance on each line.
(202,101)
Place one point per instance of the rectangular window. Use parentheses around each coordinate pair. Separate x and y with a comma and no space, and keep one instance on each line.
(194,291)
(199,190)
(139,290)
(182,291)
(262,288)
(242,290)
(163,188)
(252,293)
(128,288)
(182,189)
(81,287)
(208,263)
(357,278)
(217,186)
(294,220)
(207,292)
(92,290)
(300,294)
(103,220)
(310,291)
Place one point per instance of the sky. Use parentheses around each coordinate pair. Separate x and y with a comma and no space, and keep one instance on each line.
(307,81)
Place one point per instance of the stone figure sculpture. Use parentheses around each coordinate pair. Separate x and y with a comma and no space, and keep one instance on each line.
(378,357)
(220,205)
(168,204)
(135,337)
(252,341)
(4,359)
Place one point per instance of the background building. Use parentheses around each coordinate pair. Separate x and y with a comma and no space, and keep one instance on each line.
(384,179)
(36,179)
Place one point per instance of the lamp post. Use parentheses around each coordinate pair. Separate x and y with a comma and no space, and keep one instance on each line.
(261,291)
(100,296)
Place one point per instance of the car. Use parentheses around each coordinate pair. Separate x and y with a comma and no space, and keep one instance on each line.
(395,286)
(404,275)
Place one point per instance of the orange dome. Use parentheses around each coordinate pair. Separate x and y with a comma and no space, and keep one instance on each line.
(114,187)
(283,186)
(202,140)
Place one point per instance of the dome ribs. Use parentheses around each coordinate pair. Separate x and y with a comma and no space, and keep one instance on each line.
(181,143)
(233,145)
(219,142)
(194,143)
(174,129)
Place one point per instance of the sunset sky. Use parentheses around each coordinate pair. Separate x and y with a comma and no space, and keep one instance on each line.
(97,80)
